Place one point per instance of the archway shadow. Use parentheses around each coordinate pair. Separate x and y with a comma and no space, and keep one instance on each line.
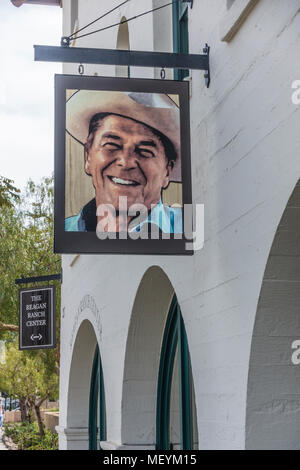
(143,348)
(79,383)
(273,395)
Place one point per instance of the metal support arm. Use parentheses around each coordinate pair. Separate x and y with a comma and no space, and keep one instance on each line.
(27,280)
(82,55)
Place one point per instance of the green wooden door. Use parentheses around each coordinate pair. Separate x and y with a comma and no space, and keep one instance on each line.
(176,412)
(180,34)
(97,412)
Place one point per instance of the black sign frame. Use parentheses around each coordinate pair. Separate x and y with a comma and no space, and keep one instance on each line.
(50,317)
(68,242)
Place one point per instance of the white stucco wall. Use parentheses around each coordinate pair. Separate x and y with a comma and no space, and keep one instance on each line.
(245,164)
(273,402)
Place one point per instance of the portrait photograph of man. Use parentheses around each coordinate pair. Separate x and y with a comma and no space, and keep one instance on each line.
(130,149)
(119,173)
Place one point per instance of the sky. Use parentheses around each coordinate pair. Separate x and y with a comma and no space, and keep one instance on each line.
(27,91)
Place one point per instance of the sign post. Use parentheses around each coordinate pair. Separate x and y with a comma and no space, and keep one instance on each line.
(37,318)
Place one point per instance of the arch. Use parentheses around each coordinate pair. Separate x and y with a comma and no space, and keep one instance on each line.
(143,356)
(123,44)
(273,393)
(79,385)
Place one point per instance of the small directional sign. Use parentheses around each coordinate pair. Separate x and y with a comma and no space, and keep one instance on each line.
(37,318)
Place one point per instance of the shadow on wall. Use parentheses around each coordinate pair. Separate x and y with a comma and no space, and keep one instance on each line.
(79,381)
(144,339)
(273,401)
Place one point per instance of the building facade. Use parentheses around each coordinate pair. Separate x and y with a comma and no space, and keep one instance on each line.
(197,351)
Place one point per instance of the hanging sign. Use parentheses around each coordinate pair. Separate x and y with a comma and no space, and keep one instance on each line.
(37,315)
(122,166)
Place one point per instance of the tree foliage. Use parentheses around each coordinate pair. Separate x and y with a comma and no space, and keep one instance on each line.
(9,194)
(26,245)
(26,250)
(30,376)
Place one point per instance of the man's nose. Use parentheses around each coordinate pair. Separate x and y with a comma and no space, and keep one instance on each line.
(127,158)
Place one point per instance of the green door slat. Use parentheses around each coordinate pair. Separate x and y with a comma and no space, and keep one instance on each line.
(97,395)
(180,35)
(174,336)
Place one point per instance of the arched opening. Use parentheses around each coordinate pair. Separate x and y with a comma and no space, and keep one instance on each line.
(144,339)
(144,350)
(123,44)
(79,387)
(273,399)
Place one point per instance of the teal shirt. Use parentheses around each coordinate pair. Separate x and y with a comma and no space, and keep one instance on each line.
(167,218)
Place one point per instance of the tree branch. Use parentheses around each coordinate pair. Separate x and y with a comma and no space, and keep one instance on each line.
(7,327)
(41,401)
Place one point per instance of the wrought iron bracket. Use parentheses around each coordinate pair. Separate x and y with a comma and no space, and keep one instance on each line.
(82,55)
(206,51)
(65,41)
(27,280)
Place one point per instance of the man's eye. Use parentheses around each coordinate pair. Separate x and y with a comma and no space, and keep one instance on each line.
(145,153)
(111,145)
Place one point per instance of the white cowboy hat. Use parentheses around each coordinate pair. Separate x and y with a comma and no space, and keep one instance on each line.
(156,110)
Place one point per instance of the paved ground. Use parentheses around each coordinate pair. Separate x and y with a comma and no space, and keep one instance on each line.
(2,446)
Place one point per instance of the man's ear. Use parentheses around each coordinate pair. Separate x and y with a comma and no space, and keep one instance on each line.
(87,161)
(170,167)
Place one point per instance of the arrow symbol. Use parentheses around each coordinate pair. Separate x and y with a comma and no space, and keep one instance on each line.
(33,337)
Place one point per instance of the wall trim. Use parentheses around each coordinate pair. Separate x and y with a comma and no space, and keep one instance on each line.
(109,445)
(234,18)
(73,434)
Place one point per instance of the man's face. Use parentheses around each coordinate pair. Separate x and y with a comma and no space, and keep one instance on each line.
(127,159)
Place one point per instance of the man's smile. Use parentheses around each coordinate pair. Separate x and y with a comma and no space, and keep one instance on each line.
(122,181)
